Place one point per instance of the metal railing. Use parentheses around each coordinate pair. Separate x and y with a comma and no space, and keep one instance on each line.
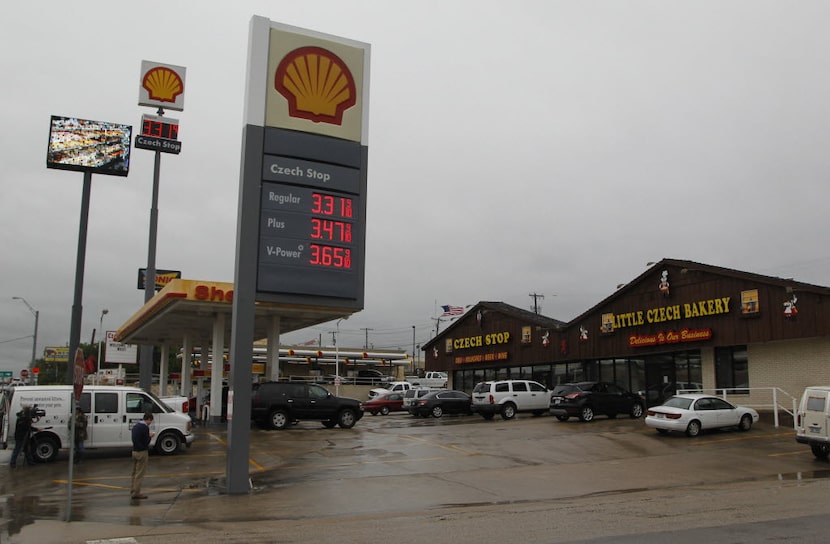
(777,397)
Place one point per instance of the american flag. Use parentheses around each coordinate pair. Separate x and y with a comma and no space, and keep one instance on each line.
(452,310)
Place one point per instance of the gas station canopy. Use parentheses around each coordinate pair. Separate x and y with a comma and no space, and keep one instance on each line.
(188,308)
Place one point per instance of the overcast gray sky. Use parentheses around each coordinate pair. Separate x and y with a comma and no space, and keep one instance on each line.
(514,147)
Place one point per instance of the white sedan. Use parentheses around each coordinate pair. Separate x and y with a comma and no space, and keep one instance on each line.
(692,413)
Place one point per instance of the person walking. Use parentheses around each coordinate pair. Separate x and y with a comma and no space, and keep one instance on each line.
(22,432)
(80,433)
(141,435)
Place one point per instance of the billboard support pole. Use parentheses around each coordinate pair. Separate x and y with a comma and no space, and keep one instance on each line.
(80,261)
(145,367)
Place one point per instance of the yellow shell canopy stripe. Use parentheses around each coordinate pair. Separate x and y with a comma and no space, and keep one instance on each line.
(317,84)
(163,84)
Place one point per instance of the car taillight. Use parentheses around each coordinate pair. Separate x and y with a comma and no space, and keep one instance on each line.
(492,399)
(422,403)
(573,396)
(651,413)
(672,416)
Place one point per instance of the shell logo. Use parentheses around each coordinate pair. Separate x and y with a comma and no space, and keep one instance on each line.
(163,84)
(317,84)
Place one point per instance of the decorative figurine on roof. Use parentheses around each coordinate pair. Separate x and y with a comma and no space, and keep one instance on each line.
(664,283)
(790,309)
(479,317)
(435,351)
(583,334)
(546,339)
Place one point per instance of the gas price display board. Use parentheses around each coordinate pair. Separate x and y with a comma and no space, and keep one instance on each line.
(312,228)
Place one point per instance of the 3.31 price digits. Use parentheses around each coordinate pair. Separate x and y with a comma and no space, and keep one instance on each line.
(331,205)
(337,257)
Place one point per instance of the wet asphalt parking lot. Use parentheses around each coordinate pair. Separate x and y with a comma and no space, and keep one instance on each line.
(452,476)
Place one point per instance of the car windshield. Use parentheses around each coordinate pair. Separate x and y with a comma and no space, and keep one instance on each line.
(678,402)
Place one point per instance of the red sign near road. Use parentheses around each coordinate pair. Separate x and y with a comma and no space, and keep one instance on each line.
(24,373)
(79,373)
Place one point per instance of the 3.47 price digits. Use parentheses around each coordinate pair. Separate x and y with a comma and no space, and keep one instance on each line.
(331,205)
(337,257)
(335,231)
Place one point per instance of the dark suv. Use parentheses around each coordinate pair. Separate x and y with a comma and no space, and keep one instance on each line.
(277,404)
(586,399)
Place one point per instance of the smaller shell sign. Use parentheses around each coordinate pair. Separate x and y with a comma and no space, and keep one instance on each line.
(161,86)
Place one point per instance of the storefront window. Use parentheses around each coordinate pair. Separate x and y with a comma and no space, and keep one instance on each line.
(560,374)
(637,368)
(621,375)
(543,375)
(606,370)
(732,369)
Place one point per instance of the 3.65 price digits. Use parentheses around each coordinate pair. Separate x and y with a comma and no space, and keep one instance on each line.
(331,205)
(336,257)
(335,231)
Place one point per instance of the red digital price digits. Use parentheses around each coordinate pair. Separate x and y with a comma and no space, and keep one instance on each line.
(334,231)
(337,257)
(331,205)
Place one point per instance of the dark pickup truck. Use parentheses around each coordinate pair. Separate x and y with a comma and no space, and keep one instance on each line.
(277,404)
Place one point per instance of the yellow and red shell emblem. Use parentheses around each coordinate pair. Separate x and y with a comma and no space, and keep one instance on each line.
(317,84)
(163,84)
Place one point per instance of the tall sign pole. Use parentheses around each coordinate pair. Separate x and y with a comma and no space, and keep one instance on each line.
(301,224)
(162,85)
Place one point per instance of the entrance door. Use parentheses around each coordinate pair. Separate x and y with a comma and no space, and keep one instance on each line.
(660,379)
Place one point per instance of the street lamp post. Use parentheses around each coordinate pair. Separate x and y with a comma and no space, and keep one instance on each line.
(36,313)
(103,335)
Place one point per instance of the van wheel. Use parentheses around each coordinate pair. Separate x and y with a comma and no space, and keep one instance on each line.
(746,423)
(508,411)
(346,419)
(821,451)
(278,420)
(168,443)
(45,449)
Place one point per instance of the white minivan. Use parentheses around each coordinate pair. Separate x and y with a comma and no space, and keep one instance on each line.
(111,413)
(812,423)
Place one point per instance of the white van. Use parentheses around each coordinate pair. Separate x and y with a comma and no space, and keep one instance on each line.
(813,419)
(111,412)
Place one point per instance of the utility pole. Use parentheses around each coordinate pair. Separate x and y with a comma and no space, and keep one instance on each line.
(366,342)
(535,306)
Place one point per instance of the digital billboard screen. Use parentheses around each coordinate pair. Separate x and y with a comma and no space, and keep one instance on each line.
(82,145)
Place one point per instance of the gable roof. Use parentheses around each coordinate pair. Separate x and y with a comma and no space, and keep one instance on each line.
(512,311)
(786,283)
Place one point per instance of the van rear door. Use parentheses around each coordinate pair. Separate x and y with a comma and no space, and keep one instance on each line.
(814,419)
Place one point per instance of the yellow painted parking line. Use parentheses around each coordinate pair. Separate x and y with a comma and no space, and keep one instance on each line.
(799,452)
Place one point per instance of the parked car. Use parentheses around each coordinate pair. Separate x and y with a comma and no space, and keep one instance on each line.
(587,399)
(371,376)
(660,392)
(383,404)
(695,412)
(401,387)
(508,397)
(411,396)
(277,404)
(438,403)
